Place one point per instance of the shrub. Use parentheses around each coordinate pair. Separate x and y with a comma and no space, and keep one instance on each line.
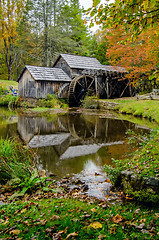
(8,100)
(3,91)
(52,102)
(91,102)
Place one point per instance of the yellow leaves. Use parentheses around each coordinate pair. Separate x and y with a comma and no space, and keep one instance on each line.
(23,210)
(145,4)
(96,225)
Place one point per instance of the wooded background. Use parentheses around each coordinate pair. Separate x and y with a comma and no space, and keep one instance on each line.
(34,32)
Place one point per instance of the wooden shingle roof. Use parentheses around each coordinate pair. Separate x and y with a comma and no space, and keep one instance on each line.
(113,68)
(46,74)
(83,62)
(80,62)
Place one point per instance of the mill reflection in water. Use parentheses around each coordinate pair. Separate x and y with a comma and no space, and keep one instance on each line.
(65,143)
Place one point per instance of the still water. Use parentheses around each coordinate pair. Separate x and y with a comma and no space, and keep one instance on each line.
(73,142)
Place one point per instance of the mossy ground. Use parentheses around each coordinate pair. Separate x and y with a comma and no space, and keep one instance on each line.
(73,219)
(143,108)
(143,165)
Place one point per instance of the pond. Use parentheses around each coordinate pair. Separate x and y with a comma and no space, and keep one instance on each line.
(72,142)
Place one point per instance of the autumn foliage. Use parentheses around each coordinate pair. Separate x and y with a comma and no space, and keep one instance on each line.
(139,57)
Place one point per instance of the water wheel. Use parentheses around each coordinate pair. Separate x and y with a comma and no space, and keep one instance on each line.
(79,87)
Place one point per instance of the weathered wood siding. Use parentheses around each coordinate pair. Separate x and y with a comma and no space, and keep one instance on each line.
(64,66)
(27,86)
(45,87)
(30,88)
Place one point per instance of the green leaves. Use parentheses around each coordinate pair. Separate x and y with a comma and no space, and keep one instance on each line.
(130,14)
(96,2)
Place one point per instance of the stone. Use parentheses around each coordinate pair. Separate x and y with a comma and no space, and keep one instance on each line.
(152,181)
(52,174)
(85,187)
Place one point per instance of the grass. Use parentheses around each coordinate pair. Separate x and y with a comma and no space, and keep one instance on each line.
(145,161)
(73,219)
(14,160)
(145,108)
(138,121)
(6,84)
(40,109)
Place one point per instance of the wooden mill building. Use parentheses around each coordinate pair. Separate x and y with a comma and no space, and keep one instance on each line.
(38,82)
(74,76)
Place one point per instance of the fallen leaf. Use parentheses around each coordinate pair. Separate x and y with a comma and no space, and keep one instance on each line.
(43,222)
(137,210)
(57,236)
(117,219)
(93,210)
(145,231)
(96,174)
(143,220)
(112,230)
(15,232)
(141,226)
(55,217)
(101,236)
(107,180)
(71,235)
(96,225)
(26,222)
(23,210)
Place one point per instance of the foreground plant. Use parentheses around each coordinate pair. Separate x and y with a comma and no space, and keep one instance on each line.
(14,160)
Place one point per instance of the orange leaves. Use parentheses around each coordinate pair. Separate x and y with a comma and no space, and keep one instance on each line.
(117,218)
(137,56)
(15,232)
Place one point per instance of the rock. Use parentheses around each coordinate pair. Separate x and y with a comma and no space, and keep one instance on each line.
(85,187)
(151,181)
(52,175)
(127,173)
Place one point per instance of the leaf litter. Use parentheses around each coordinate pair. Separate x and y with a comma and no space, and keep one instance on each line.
(100,219)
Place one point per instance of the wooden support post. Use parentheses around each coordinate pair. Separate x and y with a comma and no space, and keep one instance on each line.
(130,89)
(107,86)
(125,89)
(96,86)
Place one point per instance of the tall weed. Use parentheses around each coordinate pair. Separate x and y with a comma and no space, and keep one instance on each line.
(14,160)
